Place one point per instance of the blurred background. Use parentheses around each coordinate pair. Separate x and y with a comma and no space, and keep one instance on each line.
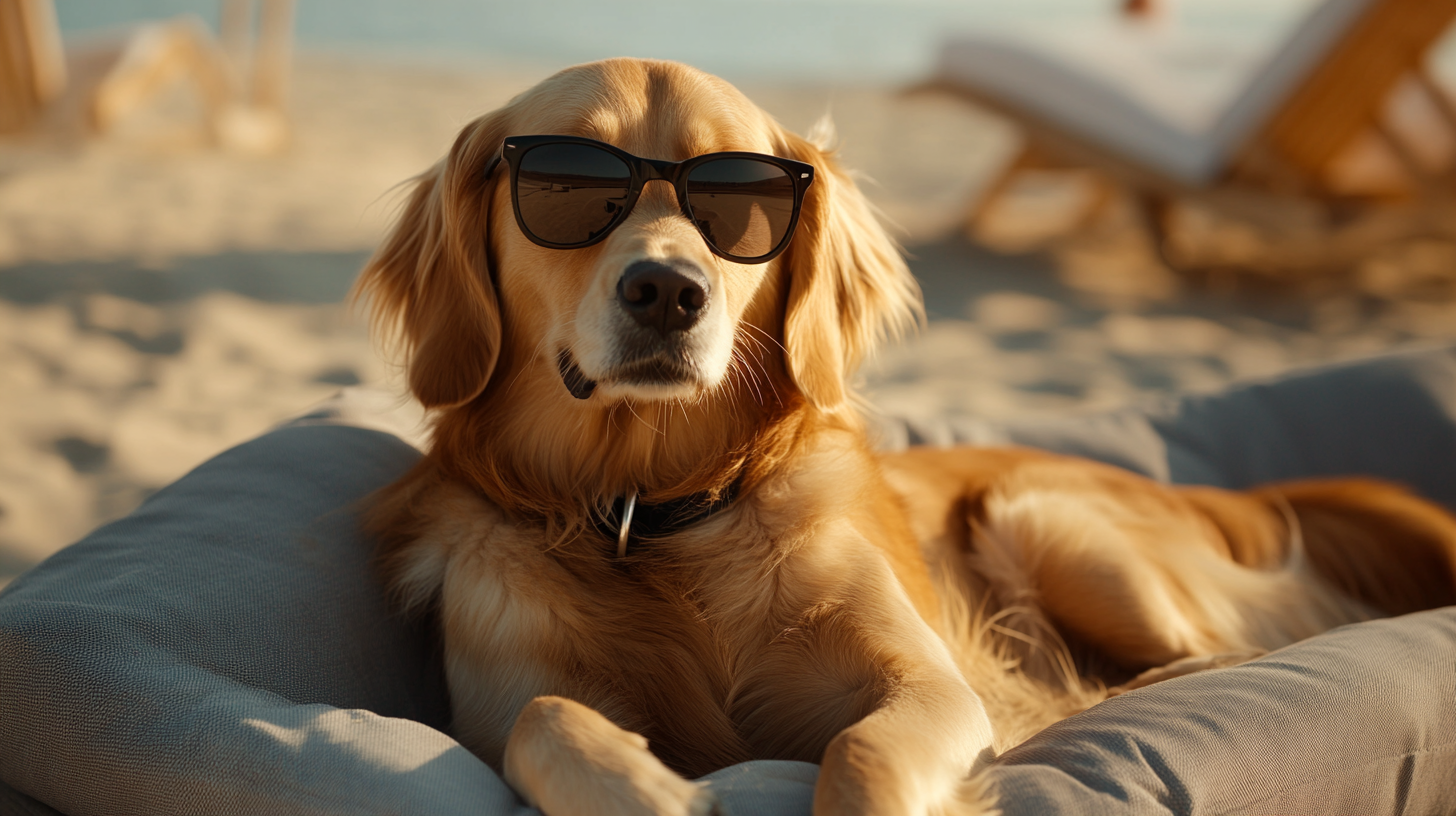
(1105,201)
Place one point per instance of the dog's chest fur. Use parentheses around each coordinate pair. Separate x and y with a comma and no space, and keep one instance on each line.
(694,645)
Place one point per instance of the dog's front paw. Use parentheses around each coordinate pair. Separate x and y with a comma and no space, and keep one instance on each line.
(569,760)
(704,803)
(857,777)
(663,793)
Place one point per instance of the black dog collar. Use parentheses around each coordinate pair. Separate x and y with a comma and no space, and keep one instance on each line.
(632,521)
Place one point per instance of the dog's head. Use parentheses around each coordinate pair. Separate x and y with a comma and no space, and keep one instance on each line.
(467,290)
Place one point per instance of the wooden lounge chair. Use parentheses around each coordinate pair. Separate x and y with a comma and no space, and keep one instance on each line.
(96,81)
(1313,122)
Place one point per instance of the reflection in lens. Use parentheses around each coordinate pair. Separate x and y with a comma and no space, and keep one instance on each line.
(742,206)
(570,193)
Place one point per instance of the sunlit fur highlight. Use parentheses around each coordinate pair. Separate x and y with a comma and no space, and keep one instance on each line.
(897,619)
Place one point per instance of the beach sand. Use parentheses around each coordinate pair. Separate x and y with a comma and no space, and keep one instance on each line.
(161,301)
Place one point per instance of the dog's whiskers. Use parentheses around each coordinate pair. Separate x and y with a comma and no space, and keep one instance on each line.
(746,373)
(649,426)
(756,363)
(731,394)
(736,366)
(766,335)
(749,373)
(743,366)
(735,376)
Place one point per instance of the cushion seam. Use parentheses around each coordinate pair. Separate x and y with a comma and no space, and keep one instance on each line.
(1306,783)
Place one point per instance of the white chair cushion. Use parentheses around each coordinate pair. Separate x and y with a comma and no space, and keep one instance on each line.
(1176,103)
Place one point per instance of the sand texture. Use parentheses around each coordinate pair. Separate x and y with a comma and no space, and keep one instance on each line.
(161,300)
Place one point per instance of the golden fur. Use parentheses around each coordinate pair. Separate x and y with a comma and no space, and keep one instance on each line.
(896,619)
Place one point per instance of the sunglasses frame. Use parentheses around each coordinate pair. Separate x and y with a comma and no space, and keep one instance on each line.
(514,148)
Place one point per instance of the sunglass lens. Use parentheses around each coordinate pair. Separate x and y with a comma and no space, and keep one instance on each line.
(571,193)
(743,207)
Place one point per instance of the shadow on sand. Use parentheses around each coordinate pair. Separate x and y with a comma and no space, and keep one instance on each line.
(271,277)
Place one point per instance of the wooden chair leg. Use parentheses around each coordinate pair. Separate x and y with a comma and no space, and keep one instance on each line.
(261,57)
(1423,178)
(1104,192)
(273,61)
(1445,106)
(1156,212)
(32,62)
(235,33)
(1026,159)
(1438,94)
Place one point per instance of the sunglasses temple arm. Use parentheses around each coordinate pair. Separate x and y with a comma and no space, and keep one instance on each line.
(494,162)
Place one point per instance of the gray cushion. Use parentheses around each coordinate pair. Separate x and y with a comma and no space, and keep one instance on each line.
(1356,721)
(1392,416)
(225,649)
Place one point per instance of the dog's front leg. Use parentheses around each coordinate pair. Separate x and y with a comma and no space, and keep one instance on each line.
(566,759)
(918,752)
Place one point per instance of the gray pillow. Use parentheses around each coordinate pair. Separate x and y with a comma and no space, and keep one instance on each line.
(225,648)
(1359,720)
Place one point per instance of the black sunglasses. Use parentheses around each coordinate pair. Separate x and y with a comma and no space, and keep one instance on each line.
(570,192)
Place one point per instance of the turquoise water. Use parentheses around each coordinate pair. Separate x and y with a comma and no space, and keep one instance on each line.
(740,39)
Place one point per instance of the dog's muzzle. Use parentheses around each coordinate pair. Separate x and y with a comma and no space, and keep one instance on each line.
(664,297)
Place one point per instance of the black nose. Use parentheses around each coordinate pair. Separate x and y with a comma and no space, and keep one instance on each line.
(664,297)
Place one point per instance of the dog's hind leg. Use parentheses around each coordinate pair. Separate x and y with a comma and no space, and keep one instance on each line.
(1373,541)
(1151,575)
(565,758)
(1370,541)
(1147,575)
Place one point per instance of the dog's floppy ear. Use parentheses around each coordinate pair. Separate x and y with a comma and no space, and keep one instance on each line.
(428,285)
(849,287)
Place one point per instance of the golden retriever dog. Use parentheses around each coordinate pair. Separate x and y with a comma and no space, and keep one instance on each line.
(656,538)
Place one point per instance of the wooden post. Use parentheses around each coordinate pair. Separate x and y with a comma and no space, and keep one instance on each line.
(273,60)
(235,32)
(32,64)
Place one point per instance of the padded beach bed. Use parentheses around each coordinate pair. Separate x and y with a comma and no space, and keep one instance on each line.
(224,649)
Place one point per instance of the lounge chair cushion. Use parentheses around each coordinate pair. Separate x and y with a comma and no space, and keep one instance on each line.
(225,649)
(1179,105)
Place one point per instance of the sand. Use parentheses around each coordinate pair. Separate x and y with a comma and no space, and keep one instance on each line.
(161,301)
